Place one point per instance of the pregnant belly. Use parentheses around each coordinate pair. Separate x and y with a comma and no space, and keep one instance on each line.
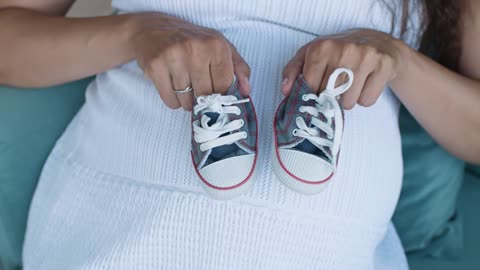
(125,130)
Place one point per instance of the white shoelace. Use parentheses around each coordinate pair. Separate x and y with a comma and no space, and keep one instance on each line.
(209,136)
(327,104)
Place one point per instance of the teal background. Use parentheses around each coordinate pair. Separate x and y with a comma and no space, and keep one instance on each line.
(427,218)
(30,123)
(469,203)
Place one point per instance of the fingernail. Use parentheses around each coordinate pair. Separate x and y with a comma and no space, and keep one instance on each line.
(285,80)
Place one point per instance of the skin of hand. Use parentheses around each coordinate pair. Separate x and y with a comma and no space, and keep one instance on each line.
(373,56)
(178,54)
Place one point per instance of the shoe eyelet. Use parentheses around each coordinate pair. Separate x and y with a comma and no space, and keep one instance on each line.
(301,109)
(245,135)
(304,97)
(294,132)
(243,122)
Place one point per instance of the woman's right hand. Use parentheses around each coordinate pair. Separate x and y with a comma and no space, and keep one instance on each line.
(176,54)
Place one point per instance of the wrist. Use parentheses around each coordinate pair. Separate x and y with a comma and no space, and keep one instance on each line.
(132,27)
(404,59)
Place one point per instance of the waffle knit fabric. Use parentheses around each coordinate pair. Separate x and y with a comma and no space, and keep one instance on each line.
(119,190)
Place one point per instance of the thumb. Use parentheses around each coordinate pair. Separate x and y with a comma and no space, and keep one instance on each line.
(291,71)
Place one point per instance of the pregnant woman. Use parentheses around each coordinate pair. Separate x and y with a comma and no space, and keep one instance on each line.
(119,190)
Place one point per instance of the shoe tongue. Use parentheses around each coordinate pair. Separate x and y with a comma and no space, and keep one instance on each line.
(307,147)
(213,117)
(224,151)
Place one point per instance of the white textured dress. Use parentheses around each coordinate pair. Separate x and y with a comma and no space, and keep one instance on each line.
(119,191)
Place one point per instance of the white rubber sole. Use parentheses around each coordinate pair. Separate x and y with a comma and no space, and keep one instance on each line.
(227,194)
(292,183)
(229,178)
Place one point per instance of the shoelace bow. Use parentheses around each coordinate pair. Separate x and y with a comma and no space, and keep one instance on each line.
(326,104)
(210,136)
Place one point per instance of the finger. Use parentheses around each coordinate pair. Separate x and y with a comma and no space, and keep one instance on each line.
(377,80)
(162,81)
(181,80)
(328,71)
(242,71)
(291,71)
(221,70)
(200,77)
(350,98)
(342,78)
(314,71)
(373,88)
(186,100)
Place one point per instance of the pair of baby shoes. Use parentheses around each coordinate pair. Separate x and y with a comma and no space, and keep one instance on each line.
(307,137)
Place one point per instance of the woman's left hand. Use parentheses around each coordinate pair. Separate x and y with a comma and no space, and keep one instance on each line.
(373,56)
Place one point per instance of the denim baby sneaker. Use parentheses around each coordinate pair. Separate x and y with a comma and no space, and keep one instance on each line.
(308,132)
(224,142)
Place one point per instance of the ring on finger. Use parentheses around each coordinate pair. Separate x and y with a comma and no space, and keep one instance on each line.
(186,90)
